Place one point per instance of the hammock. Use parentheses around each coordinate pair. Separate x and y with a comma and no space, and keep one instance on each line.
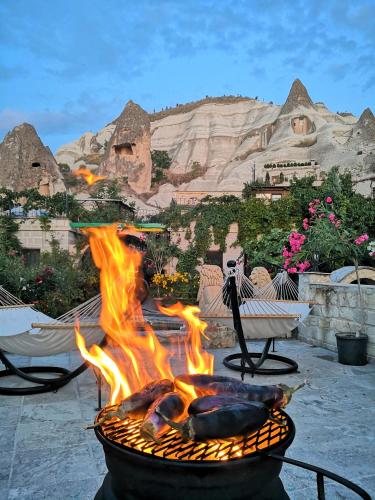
(284,292)
(262,314)
(28,332)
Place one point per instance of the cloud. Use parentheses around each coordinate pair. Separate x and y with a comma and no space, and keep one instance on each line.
(75,116)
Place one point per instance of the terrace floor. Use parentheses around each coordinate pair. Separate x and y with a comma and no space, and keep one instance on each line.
(46,454)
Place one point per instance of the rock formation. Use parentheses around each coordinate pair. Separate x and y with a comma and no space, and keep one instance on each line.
(233,139)
(298,97)
(366,125)
(26,163)
(88,150)
(128,154)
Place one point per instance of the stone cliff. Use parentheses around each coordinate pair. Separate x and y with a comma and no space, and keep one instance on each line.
(26,163)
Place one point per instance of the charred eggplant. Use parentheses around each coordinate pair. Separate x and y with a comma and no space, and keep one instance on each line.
(171,405)
(223,422)
(137,404)
(273,396)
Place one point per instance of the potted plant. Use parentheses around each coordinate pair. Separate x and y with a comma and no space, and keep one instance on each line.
(159,251)
(171,288)
(327,238)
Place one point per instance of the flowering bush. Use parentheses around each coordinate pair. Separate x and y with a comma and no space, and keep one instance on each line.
(168,284)
(326,238)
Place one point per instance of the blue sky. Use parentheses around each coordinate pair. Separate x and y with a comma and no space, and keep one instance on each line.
(68,66)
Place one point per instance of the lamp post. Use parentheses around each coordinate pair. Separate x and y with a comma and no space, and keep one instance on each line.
(253,169)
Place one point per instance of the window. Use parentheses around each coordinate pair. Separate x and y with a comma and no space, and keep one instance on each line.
(31,256)
(275,197)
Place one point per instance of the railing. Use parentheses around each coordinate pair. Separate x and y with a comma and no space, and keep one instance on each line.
(321,474)
(20,213)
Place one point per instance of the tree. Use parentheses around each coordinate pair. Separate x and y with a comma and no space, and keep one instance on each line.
(160,159)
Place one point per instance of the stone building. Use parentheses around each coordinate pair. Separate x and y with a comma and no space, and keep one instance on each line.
(35,239)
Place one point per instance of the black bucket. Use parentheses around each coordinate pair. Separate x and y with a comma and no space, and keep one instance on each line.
(352,350)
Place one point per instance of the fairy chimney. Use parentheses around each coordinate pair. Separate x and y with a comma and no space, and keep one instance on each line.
(26,163)
(365,127)
(298,96)
(128,155)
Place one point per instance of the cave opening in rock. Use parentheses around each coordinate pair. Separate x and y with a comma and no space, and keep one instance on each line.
(124,149)
(35,164)
(302,125)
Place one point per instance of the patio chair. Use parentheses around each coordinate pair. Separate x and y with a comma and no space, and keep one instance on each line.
(24,331)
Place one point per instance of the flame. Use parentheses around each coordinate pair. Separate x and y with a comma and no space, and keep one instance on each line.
(138,357)
(88,176)
(198,361)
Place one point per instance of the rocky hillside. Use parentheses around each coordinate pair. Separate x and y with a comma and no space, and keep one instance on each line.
(233,138)
(26,163)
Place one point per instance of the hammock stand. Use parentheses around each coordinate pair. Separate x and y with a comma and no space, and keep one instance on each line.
(25,340)
(246,364)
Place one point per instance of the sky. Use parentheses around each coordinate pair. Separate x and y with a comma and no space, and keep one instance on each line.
(69,66)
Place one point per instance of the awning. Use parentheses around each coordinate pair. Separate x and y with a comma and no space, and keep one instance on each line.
(142,227)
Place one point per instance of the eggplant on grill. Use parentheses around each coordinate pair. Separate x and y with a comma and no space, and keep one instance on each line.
(208,403)
(137,403)
(223,422)
(171,405)
(273,396)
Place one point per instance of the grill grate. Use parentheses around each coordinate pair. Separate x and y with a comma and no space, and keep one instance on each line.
(126,433)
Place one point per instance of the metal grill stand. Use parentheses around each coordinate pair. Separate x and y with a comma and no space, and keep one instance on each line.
(43,384)
(246,364)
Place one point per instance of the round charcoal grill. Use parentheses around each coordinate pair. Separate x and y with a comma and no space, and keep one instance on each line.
(232,469)
(125,434)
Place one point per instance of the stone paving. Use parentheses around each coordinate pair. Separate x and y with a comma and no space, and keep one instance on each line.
(46,454)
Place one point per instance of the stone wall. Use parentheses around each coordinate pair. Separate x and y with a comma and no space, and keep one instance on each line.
(33,237)
(336,310)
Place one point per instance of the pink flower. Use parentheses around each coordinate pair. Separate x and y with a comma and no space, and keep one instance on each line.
(329,199)
(285,253)
(331,217)
(337,223)
(302,266)
(312,210)
(292,270)
(305,224)
(287,263)
(361,239)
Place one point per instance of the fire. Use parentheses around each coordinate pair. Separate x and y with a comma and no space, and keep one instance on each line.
(88,176)
(138,357)
(197,360)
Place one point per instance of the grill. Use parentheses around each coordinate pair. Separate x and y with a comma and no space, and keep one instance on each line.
(172,447)
(236,468)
